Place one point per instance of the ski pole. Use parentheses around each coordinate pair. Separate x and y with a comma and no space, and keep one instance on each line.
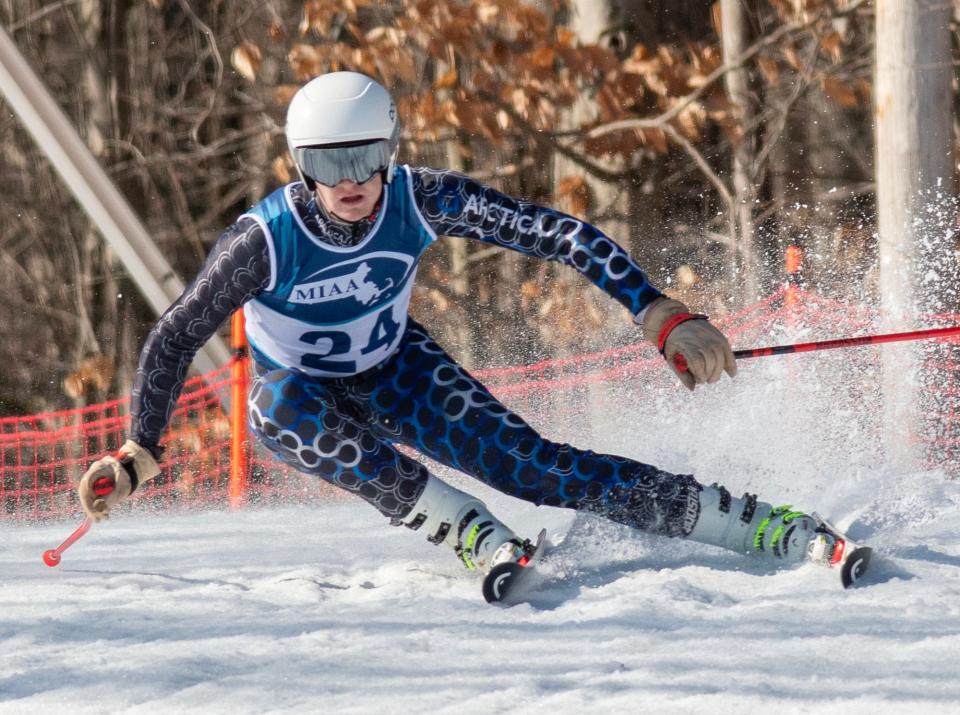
(101,487)
(51,557)
(681,362)
(849,342)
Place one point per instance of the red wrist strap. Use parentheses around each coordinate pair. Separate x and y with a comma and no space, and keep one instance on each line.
(672,322)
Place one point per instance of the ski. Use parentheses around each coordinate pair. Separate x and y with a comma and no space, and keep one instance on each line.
(505,581)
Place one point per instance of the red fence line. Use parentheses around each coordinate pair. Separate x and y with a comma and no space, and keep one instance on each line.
(210,459)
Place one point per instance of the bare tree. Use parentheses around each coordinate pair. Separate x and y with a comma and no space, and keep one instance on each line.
(915,172)
(914,147)
(736,39)
(664,144)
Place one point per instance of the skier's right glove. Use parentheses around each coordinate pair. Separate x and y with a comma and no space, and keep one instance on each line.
(113,478)
(705,351)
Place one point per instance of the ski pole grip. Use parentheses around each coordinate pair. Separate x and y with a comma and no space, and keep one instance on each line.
(680,363)
(102,486)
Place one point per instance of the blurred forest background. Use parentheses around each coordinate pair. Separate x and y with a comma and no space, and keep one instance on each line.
(704,137)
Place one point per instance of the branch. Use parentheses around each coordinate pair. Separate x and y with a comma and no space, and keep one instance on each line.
(781,120)
(761,44)
(227,144)
(705,168)
(547,140)
(40,14)
(218,61)
(660,122)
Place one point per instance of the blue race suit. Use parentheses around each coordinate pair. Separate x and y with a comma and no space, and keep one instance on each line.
(344,375)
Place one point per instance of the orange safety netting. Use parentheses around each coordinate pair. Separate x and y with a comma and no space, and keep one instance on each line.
(43,455)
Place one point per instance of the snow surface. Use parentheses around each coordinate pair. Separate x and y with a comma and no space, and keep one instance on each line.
(329,609)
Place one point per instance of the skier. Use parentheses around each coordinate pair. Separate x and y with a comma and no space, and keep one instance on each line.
(323,268)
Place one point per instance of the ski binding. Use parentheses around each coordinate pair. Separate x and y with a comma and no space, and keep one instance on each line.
(852,558)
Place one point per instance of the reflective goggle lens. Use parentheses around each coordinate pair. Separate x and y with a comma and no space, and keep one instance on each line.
(331,165)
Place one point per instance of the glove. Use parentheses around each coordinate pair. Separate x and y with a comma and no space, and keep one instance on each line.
(706,353)
(113,478)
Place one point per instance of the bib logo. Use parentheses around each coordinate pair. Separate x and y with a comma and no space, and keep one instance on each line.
(364,280)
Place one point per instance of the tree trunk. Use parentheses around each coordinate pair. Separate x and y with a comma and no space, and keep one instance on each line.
(735,31)
(594,22)
(95,262)
(914,166)
(458,256)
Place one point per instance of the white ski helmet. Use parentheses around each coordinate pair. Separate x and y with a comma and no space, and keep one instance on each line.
(342,125)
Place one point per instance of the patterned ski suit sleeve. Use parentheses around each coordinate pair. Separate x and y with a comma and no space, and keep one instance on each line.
(236,270)
(455,205)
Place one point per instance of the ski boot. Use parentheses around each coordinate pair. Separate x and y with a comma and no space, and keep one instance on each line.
(779,535)
(463,522)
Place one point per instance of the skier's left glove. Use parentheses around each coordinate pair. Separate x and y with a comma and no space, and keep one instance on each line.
(115,477)
(676,332)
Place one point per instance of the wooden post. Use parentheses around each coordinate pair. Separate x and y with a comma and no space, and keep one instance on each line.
(239,439)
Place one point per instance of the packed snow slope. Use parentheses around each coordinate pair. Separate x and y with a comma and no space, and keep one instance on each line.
(310,609)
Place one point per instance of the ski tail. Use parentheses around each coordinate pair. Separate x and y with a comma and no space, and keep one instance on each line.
(855,564)
(506,580)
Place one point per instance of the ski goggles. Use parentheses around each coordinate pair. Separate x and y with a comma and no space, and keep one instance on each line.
(329,165)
